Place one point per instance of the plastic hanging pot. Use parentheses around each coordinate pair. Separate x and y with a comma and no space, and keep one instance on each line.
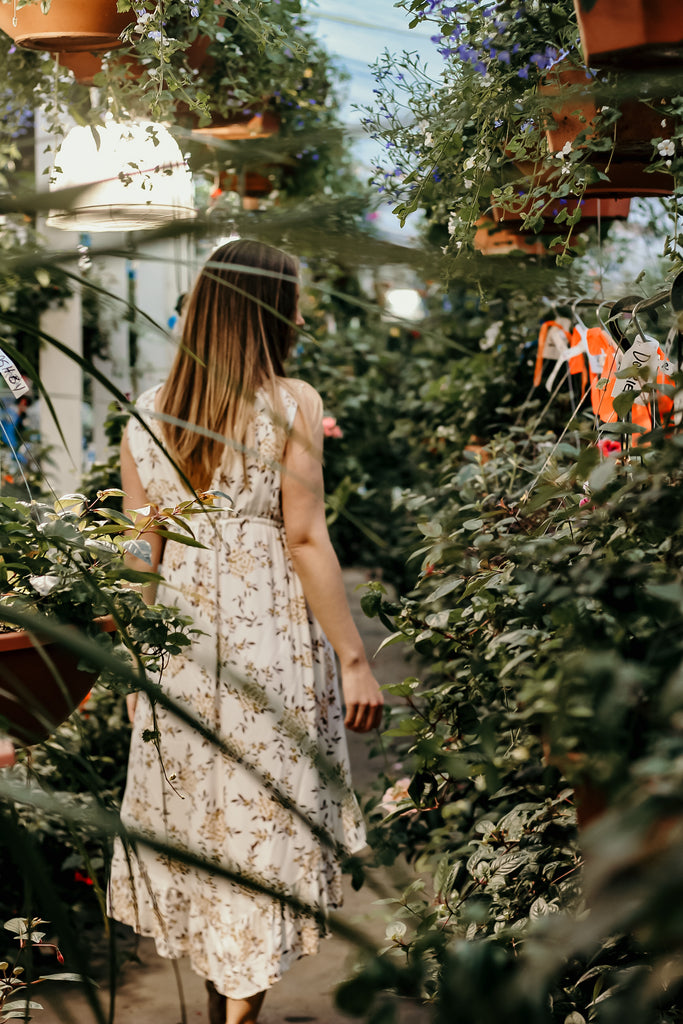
(40,683)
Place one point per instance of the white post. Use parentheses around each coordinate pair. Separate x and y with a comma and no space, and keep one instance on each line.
(63,380)
(60,375)
(112,274)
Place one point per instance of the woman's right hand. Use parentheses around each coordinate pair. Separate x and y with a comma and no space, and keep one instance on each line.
(363,698)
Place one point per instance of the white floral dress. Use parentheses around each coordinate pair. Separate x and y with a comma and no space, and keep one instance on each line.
(263,676)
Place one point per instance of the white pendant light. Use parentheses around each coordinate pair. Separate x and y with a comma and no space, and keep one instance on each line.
(131,175)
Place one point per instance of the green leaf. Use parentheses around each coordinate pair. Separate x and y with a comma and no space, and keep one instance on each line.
(602,474)
(181,538)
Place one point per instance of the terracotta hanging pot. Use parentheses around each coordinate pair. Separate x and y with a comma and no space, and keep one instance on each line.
(630,33)
(593,211)
(631,136)
(492,239)
(40,683)
(69,25)
(241,126)
(251,186)
(83,65)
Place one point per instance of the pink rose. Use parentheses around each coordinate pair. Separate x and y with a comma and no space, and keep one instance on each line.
(330,428)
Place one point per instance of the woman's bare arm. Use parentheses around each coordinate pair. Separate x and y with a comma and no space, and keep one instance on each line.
(318,569)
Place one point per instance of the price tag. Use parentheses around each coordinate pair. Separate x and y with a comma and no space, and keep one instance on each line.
(15,382)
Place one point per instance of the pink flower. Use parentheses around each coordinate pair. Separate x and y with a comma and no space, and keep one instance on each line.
(395,794)
(330,428)
(607,447)
(6,753)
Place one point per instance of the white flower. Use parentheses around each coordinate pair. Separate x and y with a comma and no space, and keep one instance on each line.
(429,140)
(44,585)
(452,223)
(667,147)
(469,164)
(395,931)
(565,151)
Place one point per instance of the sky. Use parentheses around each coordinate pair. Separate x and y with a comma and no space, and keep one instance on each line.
(357,32)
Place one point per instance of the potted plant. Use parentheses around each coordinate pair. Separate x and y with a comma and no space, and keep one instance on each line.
(480,134)
(68,25)
(64,578)
(615,137)
(630,33)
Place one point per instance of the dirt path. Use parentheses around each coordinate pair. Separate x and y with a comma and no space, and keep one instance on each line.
(148,990)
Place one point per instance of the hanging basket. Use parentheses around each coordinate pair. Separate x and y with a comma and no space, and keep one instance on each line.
(84,66)
(68,25)
(250,185)
(242,126)
(492,239)
(594,211)
(40,683)
(630,33)
(625,164)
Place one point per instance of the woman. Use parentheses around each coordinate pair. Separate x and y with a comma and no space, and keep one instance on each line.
(267,592)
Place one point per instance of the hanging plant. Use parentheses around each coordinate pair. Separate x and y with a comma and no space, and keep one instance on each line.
(64,25)
(630,33)
(482,132)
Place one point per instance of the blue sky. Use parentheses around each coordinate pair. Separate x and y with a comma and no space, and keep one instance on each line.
(357,32)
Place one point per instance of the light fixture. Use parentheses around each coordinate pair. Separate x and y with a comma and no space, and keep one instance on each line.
(404,304)
(127,176)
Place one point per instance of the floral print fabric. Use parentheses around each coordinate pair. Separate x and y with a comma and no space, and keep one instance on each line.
(263,676)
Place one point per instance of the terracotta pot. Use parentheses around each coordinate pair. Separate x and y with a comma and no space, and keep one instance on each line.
(40,683)
(83,65)
(242,126)
(68,25)
(630,33)
(253,184)
(493,240)
(625,164)
(593,211)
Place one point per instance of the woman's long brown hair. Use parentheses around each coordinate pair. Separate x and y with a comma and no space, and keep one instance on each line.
(238,331)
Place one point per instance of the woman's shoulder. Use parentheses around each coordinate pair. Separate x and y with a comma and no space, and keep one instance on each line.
(146,401)
(303,393)
(144,405)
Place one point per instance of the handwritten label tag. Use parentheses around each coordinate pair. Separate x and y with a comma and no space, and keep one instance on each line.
(15,382)
(644,353)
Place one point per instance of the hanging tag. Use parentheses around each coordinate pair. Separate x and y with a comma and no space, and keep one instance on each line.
(644,353)
(15,382)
